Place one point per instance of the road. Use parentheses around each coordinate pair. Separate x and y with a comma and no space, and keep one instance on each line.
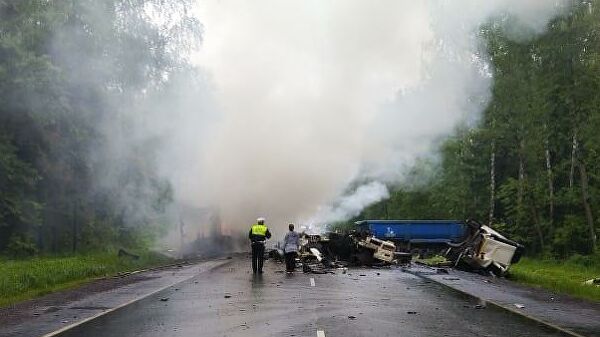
(231,301)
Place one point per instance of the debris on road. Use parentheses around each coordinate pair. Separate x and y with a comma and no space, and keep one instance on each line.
(164,299)
(276,254)
(381,243)
(472,246)
(519,306)
(322,254)
(318,254)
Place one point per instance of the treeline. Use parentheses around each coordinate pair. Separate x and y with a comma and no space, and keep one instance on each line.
(75,173)
(532,166)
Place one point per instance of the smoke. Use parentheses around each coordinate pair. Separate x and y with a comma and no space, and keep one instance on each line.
(349,205)
(315,96)
(301,111)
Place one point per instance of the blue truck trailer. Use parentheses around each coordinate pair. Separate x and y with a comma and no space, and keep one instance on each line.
(465,242)
(416,232)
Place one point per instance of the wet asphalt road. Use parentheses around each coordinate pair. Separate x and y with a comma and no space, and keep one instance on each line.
(231,301)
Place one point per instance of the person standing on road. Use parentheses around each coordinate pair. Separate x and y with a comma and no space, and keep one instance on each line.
(258,235)
(291,242)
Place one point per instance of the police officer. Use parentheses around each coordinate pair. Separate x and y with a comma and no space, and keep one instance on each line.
(257,235)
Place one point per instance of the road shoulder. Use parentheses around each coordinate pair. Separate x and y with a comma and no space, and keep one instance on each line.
(58,310)
(562,311)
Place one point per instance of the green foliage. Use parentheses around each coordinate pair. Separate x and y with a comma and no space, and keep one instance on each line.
(75,76)
(538,140)
(560,276)
(18,179)
(20,246)
(24,279)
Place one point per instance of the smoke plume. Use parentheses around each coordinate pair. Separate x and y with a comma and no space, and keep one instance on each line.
(314,96)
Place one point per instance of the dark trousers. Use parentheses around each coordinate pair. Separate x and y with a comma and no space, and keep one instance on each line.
(258,256)
(290,261)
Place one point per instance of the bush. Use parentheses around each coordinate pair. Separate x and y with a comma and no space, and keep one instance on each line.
(20,246)
(587,261)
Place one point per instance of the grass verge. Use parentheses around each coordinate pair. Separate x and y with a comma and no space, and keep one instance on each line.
(564,277)
(25,279)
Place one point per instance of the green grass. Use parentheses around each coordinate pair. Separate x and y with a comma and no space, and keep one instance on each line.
(564,277)
(435,260)
(25,279)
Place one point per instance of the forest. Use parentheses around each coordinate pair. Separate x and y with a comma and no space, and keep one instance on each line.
(531,167)
(75,175)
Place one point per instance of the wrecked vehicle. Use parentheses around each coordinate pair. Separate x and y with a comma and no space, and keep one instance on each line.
(339,250)
(485,249)
(422,237)
(467,244)
(381,250)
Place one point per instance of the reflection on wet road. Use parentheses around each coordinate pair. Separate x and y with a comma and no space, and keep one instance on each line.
(231,301)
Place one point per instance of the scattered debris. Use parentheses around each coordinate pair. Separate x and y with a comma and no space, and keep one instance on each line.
(474,247)
(351,317)
(276,254)
(403,257)
(164,299)
(227,296)
(520,306)
(411,312)
(322,254)
(593,282)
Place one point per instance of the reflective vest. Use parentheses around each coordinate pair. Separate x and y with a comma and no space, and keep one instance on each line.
(259,230)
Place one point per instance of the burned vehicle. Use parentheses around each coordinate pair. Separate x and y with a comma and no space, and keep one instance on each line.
(484,249)
(340,250)
(467,244)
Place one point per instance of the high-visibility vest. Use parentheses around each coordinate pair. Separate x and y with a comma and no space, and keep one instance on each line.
(259,230)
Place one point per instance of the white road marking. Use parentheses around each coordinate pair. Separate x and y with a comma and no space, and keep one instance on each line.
(312,282)
(320,333)
(73,325)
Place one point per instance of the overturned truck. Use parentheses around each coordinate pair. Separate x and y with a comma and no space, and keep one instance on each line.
(484,249)
(466,244)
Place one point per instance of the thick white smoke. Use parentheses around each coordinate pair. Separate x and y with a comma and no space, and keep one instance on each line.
(313,96)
